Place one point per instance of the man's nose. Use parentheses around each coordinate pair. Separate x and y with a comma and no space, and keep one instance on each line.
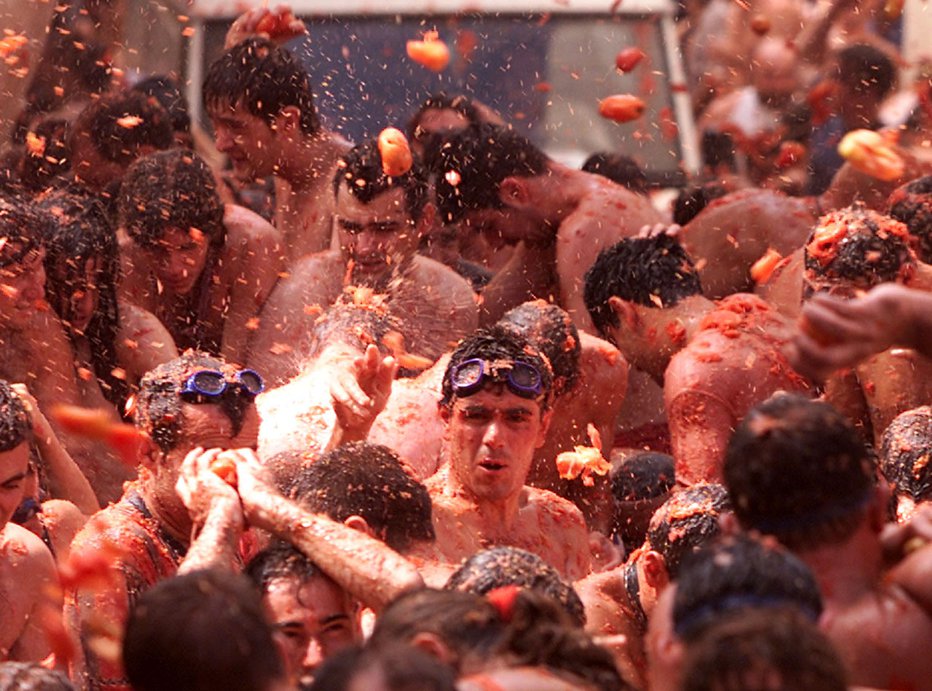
(223,140)
(367,241)
(313,656)
(35,288)
(493,434)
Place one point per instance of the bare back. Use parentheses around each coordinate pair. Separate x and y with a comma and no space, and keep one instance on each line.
(605,214)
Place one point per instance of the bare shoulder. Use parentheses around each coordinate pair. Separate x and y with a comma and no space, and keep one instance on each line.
(245,226)
(314,278)
(23,552)
(430,272)
(601,359)
(555,510)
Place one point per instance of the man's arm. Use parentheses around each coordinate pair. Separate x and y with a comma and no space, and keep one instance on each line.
(215,511)
(27,583)
(700,427)
(835,333)
(258,254)
(365,567)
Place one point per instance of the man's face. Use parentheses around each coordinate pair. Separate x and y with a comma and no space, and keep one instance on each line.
(84,297)
(247,139)
(312,621)
(376,237)
(664,649)
(14,469)
(504,226)
(178,259)
(492,436)
(22,288)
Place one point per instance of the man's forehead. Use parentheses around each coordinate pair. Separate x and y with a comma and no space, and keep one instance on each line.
(388,205)
(231,110)
(497,396)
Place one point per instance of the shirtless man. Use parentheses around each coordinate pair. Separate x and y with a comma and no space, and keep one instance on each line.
(798,470)
(496,406)
(620,601)
(203,268)
(260,102)
(379,222)
(853,250)
(111,133)
(715,360)
(27,569)
(190,402)
(494,180)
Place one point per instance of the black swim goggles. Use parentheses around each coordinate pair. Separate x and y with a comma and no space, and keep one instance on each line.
(213,384)
(522,379)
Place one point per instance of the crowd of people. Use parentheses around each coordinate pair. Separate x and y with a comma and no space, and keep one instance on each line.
(276,416)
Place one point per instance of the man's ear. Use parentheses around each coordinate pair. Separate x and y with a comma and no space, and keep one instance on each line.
(625,311)
(545,420)
(361,524)
(149,453)
(515,192)
(655,570)
(288,120)
(434,646)
(425,224)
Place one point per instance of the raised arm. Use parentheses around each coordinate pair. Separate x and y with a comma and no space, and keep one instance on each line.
(365,567)
(66,481)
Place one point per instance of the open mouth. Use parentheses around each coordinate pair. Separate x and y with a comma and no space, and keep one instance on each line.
(492,465)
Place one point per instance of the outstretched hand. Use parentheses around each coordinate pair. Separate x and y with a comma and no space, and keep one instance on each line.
(361,391)
(278,25)
(835,333)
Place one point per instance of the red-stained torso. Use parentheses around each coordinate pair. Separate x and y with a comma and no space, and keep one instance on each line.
(734,362)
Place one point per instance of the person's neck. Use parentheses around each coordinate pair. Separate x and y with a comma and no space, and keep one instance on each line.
(497,517)
(670,330)
(847,571)
(307,160)
(167,516)
(565,188)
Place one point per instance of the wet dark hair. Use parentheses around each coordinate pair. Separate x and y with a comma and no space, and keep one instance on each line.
(482,156)
(170,189)
(121,124)
(906,453)
(640,270)
(49,158)
(738,574)
(280,560)
(551,329)
(22,227)
(400,668)
(367,480)
(912,204)
(498,343)
(763,651)
(865,68)
(860,245)
(158,409)
(198,631)
(618,168)
(360,169)
(693,199)
(643,475)
(265,79)
(460,103)
(355,325)
(531,630)
(15,424)
(500,566)
(82,231)
(797,469)
(718,148)
(686,522)
(32,676)
(169,94)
